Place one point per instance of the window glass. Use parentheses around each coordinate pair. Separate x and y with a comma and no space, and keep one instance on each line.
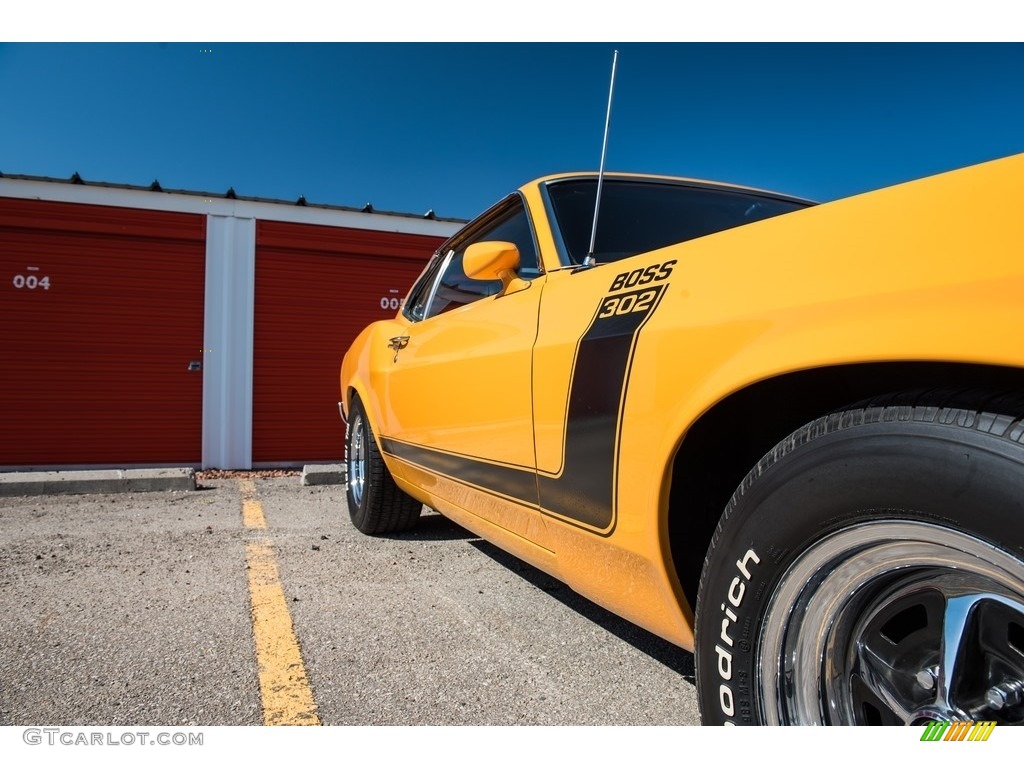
(636,217)
(515,228)
(455,289)
(416,304)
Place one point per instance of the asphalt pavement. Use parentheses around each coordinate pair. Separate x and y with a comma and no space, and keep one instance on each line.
(134,608)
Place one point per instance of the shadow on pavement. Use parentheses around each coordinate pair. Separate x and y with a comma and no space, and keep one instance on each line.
(434,527)
(672,656)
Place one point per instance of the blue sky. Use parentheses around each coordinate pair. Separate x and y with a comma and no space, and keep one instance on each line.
(455,126)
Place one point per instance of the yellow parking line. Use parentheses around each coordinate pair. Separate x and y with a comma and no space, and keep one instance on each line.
(284,686)
(252,514)
(252,510)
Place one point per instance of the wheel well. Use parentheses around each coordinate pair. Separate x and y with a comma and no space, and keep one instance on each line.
(730,438)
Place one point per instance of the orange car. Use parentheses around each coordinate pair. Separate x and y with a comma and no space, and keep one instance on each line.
(785,436)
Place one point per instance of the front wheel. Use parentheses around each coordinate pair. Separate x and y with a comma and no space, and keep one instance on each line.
(870,570)
(375,503)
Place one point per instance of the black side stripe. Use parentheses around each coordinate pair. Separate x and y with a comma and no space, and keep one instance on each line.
(512,482)
(585,491)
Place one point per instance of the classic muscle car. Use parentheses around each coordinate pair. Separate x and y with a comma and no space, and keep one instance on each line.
(785,436)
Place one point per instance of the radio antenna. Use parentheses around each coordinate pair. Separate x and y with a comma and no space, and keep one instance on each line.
(590,261)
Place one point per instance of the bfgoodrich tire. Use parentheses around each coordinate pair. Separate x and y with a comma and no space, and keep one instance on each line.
(870,570)
(375,503)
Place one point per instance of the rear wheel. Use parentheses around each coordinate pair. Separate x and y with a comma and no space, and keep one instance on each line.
(870,570)
(375,503)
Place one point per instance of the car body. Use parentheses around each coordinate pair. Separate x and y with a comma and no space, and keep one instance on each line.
(719,424)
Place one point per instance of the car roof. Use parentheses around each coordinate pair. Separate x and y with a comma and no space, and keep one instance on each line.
(629,176)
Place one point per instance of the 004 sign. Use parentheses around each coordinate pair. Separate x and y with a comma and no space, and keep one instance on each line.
(31,281)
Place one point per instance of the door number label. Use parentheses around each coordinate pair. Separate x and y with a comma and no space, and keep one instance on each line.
(32,280)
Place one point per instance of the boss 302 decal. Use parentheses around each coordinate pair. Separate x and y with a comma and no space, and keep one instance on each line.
(584,491)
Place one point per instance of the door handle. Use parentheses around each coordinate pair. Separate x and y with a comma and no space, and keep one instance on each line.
(396,343)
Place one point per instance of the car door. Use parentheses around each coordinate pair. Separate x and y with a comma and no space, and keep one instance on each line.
(461,376)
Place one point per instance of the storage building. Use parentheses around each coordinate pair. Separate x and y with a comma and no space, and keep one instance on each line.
(142,327)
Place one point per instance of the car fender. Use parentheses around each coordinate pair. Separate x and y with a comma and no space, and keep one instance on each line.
(798,298)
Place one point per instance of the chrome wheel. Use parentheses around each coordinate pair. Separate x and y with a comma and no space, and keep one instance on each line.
(893,622)
(356,458)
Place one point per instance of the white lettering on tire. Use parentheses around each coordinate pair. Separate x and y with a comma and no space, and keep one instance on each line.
(734,596)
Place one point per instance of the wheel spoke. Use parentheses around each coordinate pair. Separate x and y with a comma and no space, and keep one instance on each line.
(964,623)
(955,622)
(882,679)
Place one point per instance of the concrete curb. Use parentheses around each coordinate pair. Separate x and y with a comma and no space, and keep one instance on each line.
(97,481)
(323,474)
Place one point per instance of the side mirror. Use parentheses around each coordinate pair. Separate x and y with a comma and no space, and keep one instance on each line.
(494,260)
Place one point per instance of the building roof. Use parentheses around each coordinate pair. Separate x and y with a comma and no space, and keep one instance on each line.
(155,196)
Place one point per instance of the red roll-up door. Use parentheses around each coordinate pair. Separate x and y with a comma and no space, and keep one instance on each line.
(101,313)
(317,287)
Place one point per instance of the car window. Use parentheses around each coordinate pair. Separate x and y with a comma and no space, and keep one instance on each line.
(415,307)
(455,289)
(515,228)
(637,217)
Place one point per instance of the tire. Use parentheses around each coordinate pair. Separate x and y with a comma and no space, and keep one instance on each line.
(375,503)
(870,570)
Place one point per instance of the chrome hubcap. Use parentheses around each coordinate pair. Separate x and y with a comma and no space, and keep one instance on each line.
(895,622)
(356,459)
